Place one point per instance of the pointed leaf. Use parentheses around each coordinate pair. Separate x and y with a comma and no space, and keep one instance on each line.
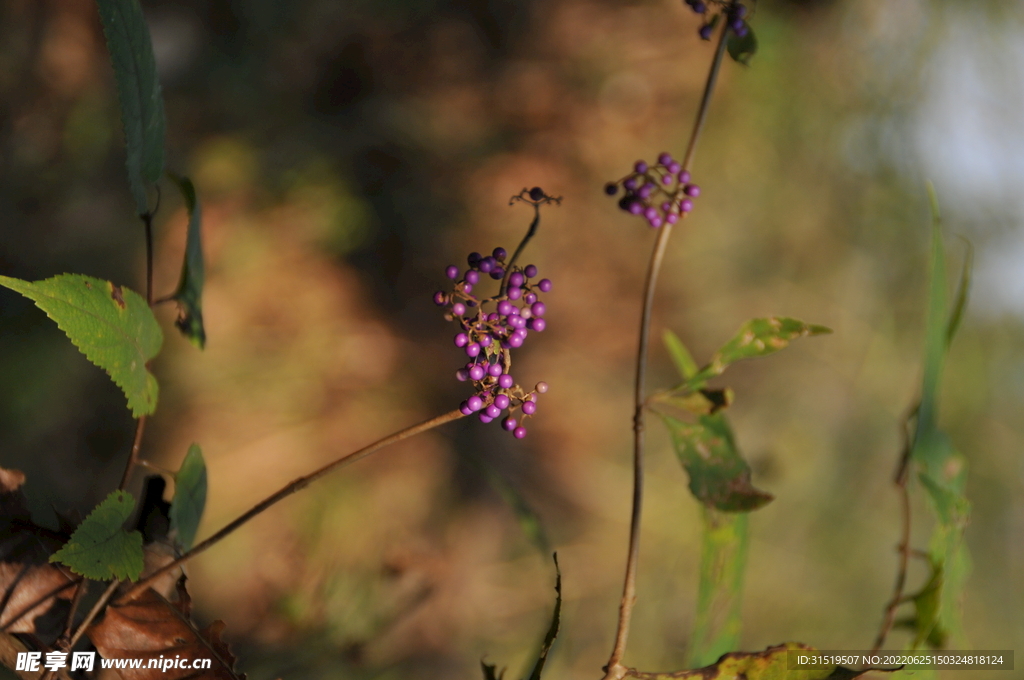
(719,477)
(112,326)
(681,356)
(138,90)
(549,637)
(100,548)
(962,293)
(742,49)
(189,497)
(189,294)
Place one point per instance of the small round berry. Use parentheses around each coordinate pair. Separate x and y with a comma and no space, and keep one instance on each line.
(462,375)
(686,205)
(736,25)
(530,271)
(666,207)
(630,184)
(665,158)
(515,340)
(655,222)
(465,409)
(538,308)
(516,279)
(474,258)
(440,299)
(742,31)
(529,407)
(545,285)
(611,188)
(492,411)
(536,194)
(509,423)
(516,321)
(700,7)
(499,254)
(494,370)
(672,218)
(505,381)
(636,207)
(651,213)
(640,167)
(537,325)
(692,190)
(530,298)
(485,341)
(497,273)
(646,190)
(674,167)
(458,309)
(468,288)
(473,349)
(705,32)
(477,372)
(502,401)
(514,292)
(667,179)
(684,176)
(542,387)
(519,432)
(472,277)
(484,418)
(461,340)
(504,307)
(452,272)
(475,403)
(486,264)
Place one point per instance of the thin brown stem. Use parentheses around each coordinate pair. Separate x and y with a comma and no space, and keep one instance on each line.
(287,490)
(133,457)
(75,600)
(93,613)
(614,668)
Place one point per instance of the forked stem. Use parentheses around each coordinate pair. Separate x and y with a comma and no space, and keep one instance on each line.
(614,669)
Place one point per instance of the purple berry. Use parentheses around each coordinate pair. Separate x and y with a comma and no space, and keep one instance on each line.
(504,307)
(497,273)
(458,309)
(537,325)
(519,432)
(611,188)
(452,272)
(462,375)
(465,409)
(516,279)
(485,341)
(484,418)
(494,370)
(699,7)
(529,407)
(686,205)
(493,316)
(530,298)
(461,340)
(514,292)
(674,167)
(684,176)
(636,207)
(538,308)
(473,349)
(530,271)
(646,190)
(640,167)
(477,372)
(516,321)
(742,31)
(630,184)
(736,25)
(509,423)
(502,401)
(692,190)
(536,194)
(705,32)
(475,403)
(499,254)
(468,288)
(515,340)
(672,218)
(665,158)
(505,381)
(487,264)
(440,299)
(545,285)
(472,277)
(667,179)
(474,258)
(655,222)
(541,387)
(493,411)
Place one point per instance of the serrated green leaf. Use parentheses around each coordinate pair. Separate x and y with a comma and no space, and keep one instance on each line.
(112,326)
(742,49)
(138,91)
(719,477)
(681,356)
(723,561)
(100,549)
(189,497)
(549,637)
(189,294)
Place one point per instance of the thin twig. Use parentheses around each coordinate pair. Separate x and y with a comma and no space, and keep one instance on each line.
(529,232)
(614,668)
(288,490)
(75,600)
(133,457)
(93,613)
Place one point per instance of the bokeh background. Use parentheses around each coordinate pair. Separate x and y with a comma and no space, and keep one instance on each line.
(346,152)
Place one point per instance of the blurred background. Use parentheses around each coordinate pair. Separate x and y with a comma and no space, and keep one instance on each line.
(346,152)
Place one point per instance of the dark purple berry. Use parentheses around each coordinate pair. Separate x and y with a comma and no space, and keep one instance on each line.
(742,31)
(536,194)
(611,188)
(440,299)
(514,292)
(497,273)
(499,254)
(686,205)
(739,11)
(473,349)
(665,158)
(462,375)
(487,264)
(461,340)
(473,258)
(502,401)
(472,277)
(704,32)
(537,324)
(530,271)
(516,279)
(509,423)
(538,308)
(466,410)
(700,7)
(477,372)
(692,190)
(736,25)
(529,407)
(519,432)
(475,403)
(640,167)
(458,309)
(505,381)
(492,411)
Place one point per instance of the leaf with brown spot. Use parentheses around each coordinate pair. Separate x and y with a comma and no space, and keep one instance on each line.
(150,627)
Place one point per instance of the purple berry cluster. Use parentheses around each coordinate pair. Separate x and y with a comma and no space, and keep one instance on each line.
(659,193)
(488,337)
(734,12)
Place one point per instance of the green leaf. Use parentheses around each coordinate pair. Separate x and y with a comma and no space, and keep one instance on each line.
(681,356)
(189,497)
(138,90)
(100,549)
(771,664)
(723,561)
(189,294)
(549,637)
(702,402)
(962,292)
(741,49)
(719,477)
(112,326)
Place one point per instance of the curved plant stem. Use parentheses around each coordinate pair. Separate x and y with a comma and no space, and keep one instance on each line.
(133,457)
(614,668)
(94,612)
(287,490)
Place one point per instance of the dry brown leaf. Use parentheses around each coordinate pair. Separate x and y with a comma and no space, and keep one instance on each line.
(151,627)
